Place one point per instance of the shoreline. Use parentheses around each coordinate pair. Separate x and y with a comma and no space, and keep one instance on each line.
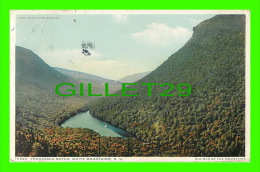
(64,118)
(60,119)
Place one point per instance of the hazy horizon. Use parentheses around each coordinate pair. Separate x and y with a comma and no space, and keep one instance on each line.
(125,44)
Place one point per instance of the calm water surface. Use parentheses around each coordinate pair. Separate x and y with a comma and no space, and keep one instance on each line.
(85,120)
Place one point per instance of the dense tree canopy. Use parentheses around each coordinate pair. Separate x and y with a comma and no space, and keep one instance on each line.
(208,122)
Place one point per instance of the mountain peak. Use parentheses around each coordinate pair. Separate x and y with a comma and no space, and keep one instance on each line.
(219,24)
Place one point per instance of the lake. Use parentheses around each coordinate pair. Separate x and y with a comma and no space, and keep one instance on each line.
(85,120)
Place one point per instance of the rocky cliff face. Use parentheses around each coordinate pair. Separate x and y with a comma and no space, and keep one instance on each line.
(218,25)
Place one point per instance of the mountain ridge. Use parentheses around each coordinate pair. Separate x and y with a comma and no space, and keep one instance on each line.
(133,78)
(213,63)
(89,78)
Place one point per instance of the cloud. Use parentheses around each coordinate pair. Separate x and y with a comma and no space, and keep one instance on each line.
(56,56)
(195,22)
(66,58)
(160,34)
(121,18)
(95,64)
(111,69)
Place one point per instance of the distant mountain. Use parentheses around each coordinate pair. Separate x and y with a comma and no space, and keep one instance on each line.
(133,78)
(208,122)
(88,78)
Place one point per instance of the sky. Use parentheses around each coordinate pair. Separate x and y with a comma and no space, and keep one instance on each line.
(125,44)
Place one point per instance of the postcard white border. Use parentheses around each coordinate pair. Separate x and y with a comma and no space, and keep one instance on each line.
(13,158)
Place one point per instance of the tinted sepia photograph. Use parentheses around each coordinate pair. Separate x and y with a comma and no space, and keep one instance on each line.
(130,86)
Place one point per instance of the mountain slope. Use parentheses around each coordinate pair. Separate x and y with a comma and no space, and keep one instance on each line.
(39,110)
(88,78)
(37,104)
(208,122)
(31,69)
(133,78)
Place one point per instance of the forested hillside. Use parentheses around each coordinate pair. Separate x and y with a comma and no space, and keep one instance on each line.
(208,122)
(78,142)
(37,104)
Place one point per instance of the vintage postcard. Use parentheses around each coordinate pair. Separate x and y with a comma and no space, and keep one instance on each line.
(130,86)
